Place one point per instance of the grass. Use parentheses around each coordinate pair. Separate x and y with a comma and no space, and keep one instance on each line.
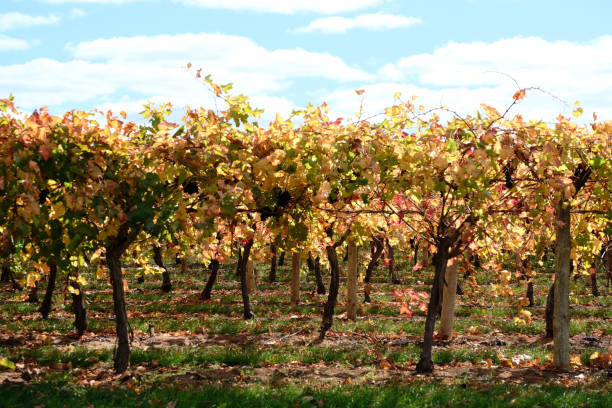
(360,344)
(61,394)
(449,355)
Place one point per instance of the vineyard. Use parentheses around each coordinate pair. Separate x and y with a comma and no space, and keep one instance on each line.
(311,262)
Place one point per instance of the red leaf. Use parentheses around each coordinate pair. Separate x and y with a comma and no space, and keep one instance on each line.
(520,94)
(405,309)
(45,152)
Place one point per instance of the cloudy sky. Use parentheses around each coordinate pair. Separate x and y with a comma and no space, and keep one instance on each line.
(118,54)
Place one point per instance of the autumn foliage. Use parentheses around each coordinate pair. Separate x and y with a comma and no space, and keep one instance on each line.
(75,193)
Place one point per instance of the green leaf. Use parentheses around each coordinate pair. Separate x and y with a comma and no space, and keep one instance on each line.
(6,363)
(74,242)
(440,185)
(227,206)
(141,214)
(597,162)
(291,168)
(299,231)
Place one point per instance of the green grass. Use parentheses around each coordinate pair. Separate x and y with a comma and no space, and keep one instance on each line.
(361,343)
(77,357)
(61,394)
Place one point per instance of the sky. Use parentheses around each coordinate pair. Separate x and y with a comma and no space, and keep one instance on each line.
(120,54)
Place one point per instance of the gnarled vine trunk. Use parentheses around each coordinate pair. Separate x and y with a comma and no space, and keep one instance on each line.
(425,364)
(377,249)
(415,246)
(318,277)
(250,276)
(523,267)
(114,251)
(159,261)
(6,274)
(33,293)
(45,307)
(530,293)
(314,266)
(242,270)
(351,282)
(332,296)
(391,255)
(281,259)
(295,278)
(78,307)
(594,288)
(212,278)
(239,262)
(272,275)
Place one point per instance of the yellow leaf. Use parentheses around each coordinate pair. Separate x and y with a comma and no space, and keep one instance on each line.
(73,290)
(578,112)
(81,280)
(440,162)
(100,273)
(6,363)
(57,210)
(31,279)
(491,111)
(526,315)
(575,360)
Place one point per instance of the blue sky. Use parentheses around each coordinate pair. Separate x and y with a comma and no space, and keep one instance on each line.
(118,54)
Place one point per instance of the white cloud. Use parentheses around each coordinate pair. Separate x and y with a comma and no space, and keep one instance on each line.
(106,70)
(372,22)
(531,61)
(285,6)
(130,70)
(10,21)
(77,13)
(220,53)
(480,71)
(12,44)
